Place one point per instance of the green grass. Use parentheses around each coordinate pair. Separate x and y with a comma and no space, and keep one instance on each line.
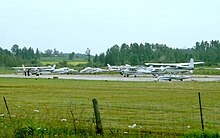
(157,108)
(74,63)
(60,59)
(8,70)
(207,71)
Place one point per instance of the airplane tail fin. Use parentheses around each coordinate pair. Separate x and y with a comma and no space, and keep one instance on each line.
(109,66)
(191,63)
(127,65)
(23,67)
(150,67)
(54,66)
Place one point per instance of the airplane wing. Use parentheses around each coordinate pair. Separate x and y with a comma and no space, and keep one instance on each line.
(46,67)
(199,63)
(162,64)
(172,64)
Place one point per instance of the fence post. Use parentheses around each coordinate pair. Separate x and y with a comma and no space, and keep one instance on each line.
(7,107)
(99,129)
(200,105)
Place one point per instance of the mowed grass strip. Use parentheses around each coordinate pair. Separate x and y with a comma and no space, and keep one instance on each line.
(152,106)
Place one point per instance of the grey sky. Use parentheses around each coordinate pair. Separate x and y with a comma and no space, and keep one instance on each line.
(74,25)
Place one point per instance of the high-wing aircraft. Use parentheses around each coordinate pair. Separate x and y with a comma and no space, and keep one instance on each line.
(136,71)
(44,70)
(189,65)
(33,70)
(117,68)
(177,68)
(157,71)
(92,70)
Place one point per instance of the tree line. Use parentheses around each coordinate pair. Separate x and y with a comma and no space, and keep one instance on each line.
(138,54)
(133,54)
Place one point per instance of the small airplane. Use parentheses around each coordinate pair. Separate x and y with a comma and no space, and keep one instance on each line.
(117,68)
(176,68)
(92,70)
(173,77)
(136,71)
(188,66)
(157,71)
(64,70)
(33,70)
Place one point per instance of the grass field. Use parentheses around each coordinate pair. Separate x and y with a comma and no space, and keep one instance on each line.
(52,63)
(54,107)
(6,70)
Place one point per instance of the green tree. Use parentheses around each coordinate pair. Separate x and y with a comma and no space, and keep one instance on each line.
(124,54)
(15,49)
(88,54)
(72,56)
(63,63)
(134,54)
(55,52)
(95,60)
(101,59)
(112,55)
(48,52)
(37,54)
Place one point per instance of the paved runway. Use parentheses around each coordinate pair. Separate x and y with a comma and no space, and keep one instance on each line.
(201,78)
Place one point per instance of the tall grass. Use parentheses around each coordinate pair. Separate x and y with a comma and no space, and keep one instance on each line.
(52,107)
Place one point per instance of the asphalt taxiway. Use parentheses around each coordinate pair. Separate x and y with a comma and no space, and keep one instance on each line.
(112,77)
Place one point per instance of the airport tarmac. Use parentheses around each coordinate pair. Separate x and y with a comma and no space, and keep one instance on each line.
(112,77)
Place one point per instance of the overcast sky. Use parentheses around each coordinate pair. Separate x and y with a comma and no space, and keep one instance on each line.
(74,25)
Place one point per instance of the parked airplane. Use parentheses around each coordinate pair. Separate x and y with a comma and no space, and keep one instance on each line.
(117,68)
(178,68)
(175,77)
(64,70)
(92,70)
(32,70)
(113,68)
(157,71)
(175,68)
(44,70)
(135,71)
(174,64)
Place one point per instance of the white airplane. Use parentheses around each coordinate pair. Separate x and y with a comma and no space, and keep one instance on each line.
(173,77)
(135,71)
(177,68)
(117,68)
(64,70)
(113,68)
(177,65)
(157,71)
(33,70)
(92,70)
